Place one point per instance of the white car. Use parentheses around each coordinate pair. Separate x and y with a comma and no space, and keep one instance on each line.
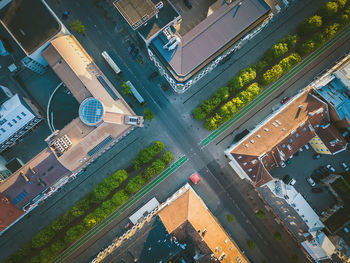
(330,167)
(307,147)
(282,164)
(344,166)
(311,181)
(292,182)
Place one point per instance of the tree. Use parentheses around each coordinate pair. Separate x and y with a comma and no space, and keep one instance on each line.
(230,218)
(251,244)
(135,184)
(74,233)
(167,158)
(148,115)
(260,214)
(290,40)
(277,236)
(310,25)
(329,9)
(101,191)
(199,114)
(119,198)
(331,30)
(76,25)
(272,74)
(126,88)
(341,3)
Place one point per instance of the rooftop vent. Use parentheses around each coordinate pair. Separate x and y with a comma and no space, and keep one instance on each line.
(266,129)
(301,106)
(258,135)
(252,141)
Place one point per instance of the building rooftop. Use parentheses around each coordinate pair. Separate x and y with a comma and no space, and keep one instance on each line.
(33,178)
(8,212)
(136,12)
(15,114)
(283,134)
(91,111)
(190,208)
(30,23)
(215,33)
(166,15)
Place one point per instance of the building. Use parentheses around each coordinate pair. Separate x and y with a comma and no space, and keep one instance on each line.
(185,58)
(9,213)
(333,88)
(16,119)
(104,116)
(31,30)
(303,120)
(182,229)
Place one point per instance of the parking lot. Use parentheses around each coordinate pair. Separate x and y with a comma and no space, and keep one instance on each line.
(192,16)
(302,165)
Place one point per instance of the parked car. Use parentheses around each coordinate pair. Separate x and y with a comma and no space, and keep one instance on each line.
(316,190)
(315,178)
(344,166)
(153,75)
(292,182)
(286,179)
(306,147)
(285,100)
(282,164)
(188,3)
(310,181)
(131,47)
(135,52)
(316,156)
(330,168)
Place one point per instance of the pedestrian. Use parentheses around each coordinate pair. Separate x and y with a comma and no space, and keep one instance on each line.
(65,15)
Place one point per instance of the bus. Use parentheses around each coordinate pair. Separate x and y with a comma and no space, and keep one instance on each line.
(136,94)
(111,62)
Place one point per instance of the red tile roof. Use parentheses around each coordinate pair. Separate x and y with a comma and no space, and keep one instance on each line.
(8,212)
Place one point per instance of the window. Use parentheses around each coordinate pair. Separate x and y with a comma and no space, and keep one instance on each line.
(9,124)
(304,129)
(3,130)
(296,135)
(283,146)
(23,114)
(19,118)
(290,140)
(14,120)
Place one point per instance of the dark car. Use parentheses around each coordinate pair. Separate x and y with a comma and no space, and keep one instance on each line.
(153,75)
(135,52)
(316,190)
(188,3)
(315,178)
(287,179)
(131,47)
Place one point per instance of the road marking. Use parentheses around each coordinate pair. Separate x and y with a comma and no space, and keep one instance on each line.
(80,242)
(289,75)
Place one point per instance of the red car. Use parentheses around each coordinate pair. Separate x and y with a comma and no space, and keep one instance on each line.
(285,100)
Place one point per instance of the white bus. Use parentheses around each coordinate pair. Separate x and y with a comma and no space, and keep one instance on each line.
(110,62)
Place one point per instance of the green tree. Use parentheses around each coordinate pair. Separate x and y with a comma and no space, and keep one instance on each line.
(119,198)
(199,114)
(272,74)
(251,244)
(135,184)
(307,47)
(341,3)
(74,233)
(167,158)
(230,218)
(260,214)
(277,236)
(76,25)
(331,30)
(148,115)
(126,88)
(329,9)
(310,25)
(290,40)
(101,191)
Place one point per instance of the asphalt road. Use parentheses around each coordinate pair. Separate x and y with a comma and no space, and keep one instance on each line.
(182,131)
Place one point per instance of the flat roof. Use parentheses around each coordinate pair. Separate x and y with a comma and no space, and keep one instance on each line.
(8,212)
(211,35)
(30,23)
(166,15)
(136,12)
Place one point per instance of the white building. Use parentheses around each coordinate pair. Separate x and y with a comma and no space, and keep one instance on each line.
(16,119)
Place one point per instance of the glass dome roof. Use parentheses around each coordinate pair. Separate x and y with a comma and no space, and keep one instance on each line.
(91,111)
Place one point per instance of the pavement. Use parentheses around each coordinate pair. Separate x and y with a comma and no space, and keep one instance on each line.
(223,192)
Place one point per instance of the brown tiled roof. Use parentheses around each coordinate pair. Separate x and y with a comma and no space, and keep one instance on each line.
(283,135)
(190,207)
(8,212)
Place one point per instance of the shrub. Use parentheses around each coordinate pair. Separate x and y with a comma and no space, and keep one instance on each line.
(126,88)
(76,25)
(260,214)
(310,25)
(251,244)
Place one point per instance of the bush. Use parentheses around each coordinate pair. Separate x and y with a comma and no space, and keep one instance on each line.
(251,244)
(147,154)
(260,214)
(126,88)
(310,25)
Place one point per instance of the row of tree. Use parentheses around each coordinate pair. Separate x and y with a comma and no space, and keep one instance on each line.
(274,64)
(98,196)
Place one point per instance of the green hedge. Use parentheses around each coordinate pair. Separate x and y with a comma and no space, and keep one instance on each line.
(314,31)
(104,188)
(147,154)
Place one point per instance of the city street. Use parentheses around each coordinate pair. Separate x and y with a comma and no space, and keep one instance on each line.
(223,192)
